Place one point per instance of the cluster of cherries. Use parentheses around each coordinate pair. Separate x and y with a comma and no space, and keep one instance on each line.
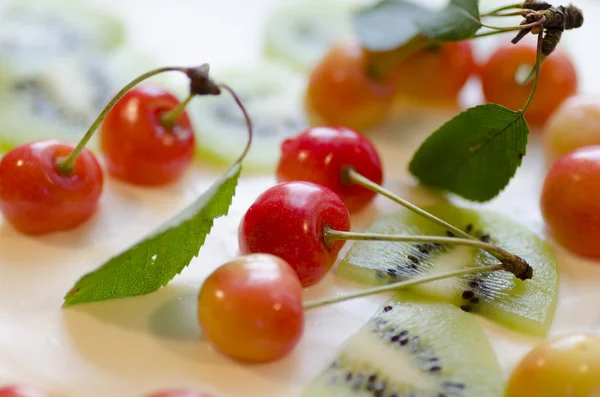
(354,87)
(146,139)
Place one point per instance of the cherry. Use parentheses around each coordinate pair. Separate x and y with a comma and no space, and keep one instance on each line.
(575,124)
(21,391)
(288,220)
(319,155)
(434,75)
(570,201)
(139,145)
(250,309)
(557,82)
(178,393)
(36,197)
(341,92)
(567,365)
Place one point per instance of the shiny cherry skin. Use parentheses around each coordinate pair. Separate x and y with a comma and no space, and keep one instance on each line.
(137,148)
(564,366)
(558,81)
(36,198)
(341,92)
(250,309)
(434,75)
(288,219)
(570,201)
(21,391)
(319,155)
(575,124)
(179,393)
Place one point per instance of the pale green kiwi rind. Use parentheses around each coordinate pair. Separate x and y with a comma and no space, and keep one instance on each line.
(525,306)
(106,30)
(466,355)
(333,19)
(21,123)
(222,144)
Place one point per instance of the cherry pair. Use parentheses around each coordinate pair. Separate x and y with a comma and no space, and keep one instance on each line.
(145,136)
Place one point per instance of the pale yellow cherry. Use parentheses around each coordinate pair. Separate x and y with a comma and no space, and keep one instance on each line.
(566,366)
(575,124)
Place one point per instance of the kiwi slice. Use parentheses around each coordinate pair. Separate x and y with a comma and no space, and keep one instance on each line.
(524,306)
(300,34)
(416,349)
(62,99)
(31,32)
(272,96)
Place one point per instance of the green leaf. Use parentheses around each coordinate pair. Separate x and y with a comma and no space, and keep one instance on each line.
(390,24)
(460,20)
(475,154)
(156,260)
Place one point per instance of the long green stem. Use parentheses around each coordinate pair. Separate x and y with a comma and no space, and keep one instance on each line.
(246,117)
(486,34)
(169,119)
(503,8)
(350,175)
(536,69)
(331,235)
(400,285)
(65,166)
(520,27)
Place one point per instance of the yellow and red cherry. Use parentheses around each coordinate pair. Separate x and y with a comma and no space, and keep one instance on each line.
(138,146)
(341,92)
(250,309)
(564,366)
(178,393)
(288,221)
(501,82)
(36,197)
(570,201)
(21,391)
(434,75)
(320,154)
(575,124)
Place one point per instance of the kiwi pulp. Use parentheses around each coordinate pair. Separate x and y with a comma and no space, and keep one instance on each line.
(525,306)
(414,349)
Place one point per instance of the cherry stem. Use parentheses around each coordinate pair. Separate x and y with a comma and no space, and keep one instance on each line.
(246,117)
(504,8)
(169,119)
(486,34)
(520,27)
(66,166)
(400,285)
(351,176)
(518,266)
(330,235)
(522,12)
(536,72)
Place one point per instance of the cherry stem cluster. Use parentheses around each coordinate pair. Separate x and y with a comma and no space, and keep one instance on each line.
(400,285)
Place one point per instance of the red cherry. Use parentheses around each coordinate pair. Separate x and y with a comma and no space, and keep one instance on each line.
(251,308)
(570,201)
(21,391)
(288,219)
(178,393)
(36,198)
(319,154)
(136,146)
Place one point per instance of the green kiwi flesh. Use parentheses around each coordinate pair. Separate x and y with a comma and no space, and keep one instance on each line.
(271,94)
(62,100)
(414,349)
(524,306)
(300,34)
(31,32)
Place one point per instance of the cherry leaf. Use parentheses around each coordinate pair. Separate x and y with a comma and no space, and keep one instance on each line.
(475,154)
(156,260)
(390,24)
